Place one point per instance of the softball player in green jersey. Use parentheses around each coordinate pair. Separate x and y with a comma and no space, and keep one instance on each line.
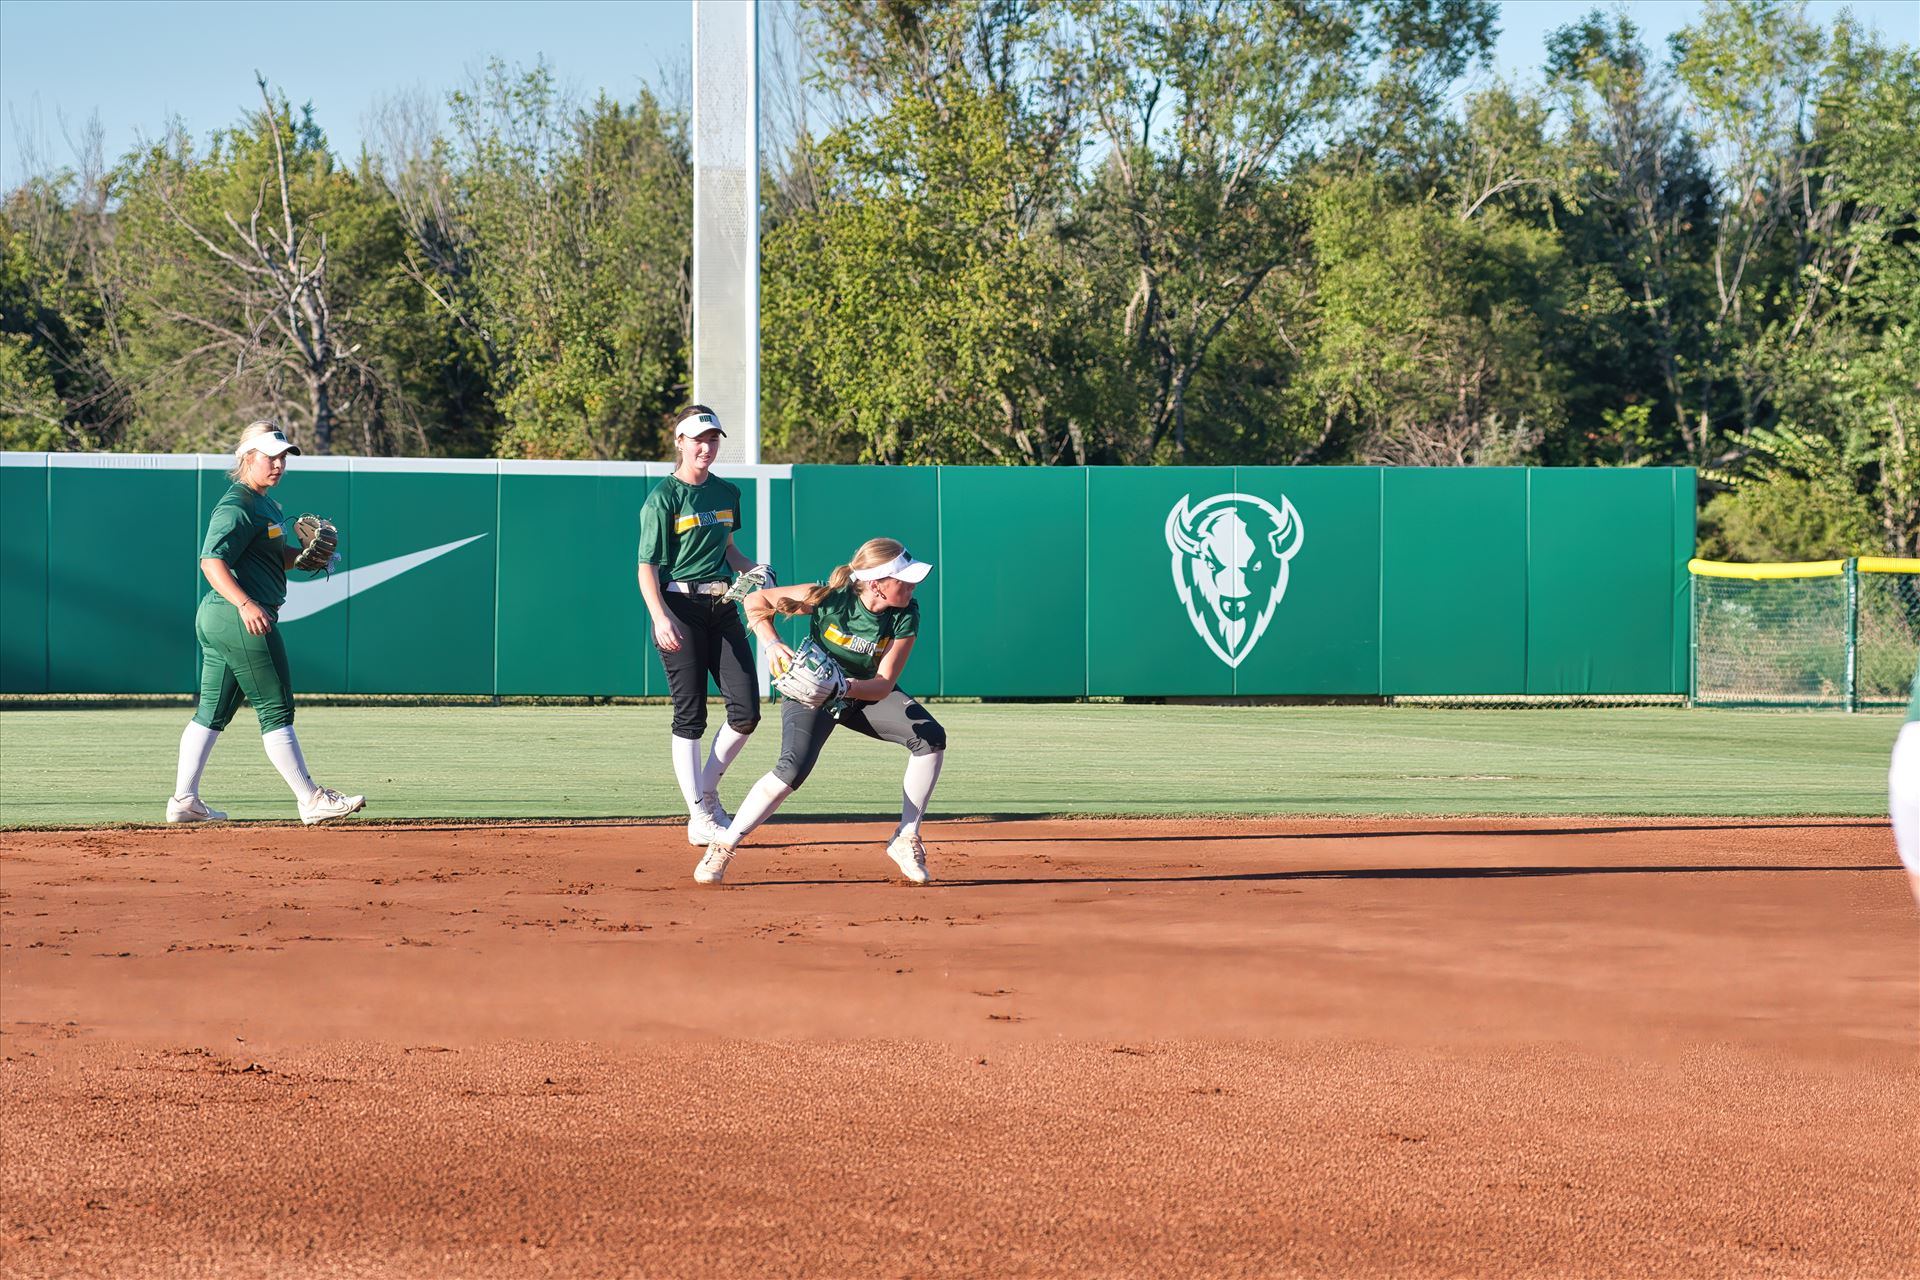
(245,556)
(866,617)
(1903,789)
(687,563)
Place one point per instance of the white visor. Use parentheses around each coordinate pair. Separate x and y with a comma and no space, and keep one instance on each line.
(902,566)
(272,443)
(696,424)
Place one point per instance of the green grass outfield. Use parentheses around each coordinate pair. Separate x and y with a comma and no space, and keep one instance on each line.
(85,766)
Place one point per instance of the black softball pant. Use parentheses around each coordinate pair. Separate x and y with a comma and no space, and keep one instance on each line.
(713,642)
(896,718)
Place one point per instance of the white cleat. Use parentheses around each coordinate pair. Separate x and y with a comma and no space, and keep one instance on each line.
(328,804)
(192,809)
(708,824)
(712,868)
(909,853)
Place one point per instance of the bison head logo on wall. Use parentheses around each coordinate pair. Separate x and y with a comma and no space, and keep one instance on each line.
(1230,557)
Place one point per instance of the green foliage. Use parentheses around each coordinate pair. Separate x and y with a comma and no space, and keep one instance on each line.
(1794,498)
(922,322)
(53,392)
(580,225)
(1431,324)
(31,411)
(1788,518)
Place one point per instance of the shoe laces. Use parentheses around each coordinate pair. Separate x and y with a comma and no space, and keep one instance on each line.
(918,847)
(329,796)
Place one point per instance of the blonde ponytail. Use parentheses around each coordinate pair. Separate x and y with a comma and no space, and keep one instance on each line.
(872,552)
(819,591)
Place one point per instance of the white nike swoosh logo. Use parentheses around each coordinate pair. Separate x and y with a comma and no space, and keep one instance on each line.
(307,598)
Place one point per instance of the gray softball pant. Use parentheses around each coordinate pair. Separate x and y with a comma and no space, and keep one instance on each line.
(895,718)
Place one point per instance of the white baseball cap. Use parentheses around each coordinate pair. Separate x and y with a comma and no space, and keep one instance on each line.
(902,566)
(696,424)
(271,443)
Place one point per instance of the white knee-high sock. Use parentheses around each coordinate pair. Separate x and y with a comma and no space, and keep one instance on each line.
(916,789)
(767,795)
(686,770)
(196,744)
(284,750)
(726,745)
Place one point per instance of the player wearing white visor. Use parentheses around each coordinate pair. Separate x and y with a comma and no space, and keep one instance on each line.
(864,620)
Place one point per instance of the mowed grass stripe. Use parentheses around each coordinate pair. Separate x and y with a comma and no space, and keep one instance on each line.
(60,768)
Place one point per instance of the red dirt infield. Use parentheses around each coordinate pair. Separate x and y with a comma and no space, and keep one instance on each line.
(1470,1047)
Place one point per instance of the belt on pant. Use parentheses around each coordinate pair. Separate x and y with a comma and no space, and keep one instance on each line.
(699,588)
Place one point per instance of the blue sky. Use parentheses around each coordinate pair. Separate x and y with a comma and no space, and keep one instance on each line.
(138,63)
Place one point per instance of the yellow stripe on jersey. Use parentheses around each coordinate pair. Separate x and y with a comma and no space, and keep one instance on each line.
(699,518)
(834,635)
(274,531)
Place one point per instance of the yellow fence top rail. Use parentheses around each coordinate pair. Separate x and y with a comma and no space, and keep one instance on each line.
(1784,569)
(1801,568)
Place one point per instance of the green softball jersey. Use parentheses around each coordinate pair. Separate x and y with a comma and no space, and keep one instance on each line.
(858,637)
(684,529)
(1913,702)
(248,533)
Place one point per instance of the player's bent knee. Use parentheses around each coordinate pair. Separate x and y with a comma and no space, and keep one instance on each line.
(744,728)
(272,720)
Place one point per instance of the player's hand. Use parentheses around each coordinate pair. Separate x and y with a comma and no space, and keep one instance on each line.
(779,657)
(666,636)
(255,619)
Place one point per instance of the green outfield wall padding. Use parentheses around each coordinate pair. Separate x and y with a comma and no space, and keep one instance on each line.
(571,616)
(1600,580)
(508,578)
(436,627)
(23,574)
(1140,635)
(118,621)
(1012,545)
(1453,591)
(1682,498)
(1323,636)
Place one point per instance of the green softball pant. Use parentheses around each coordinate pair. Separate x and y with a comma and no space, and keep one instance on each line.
(236,666)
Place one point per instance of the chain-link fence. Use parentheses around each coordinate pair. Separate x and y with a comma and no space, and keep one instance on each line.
(1830,633)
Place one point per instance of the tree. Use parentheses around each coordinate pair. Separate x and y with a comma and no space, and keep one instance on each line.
(1642,244)
(1213,113)
(1430,338)
(55,390)
(1840,361)
(919,307)
(577,271)
(229,281)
